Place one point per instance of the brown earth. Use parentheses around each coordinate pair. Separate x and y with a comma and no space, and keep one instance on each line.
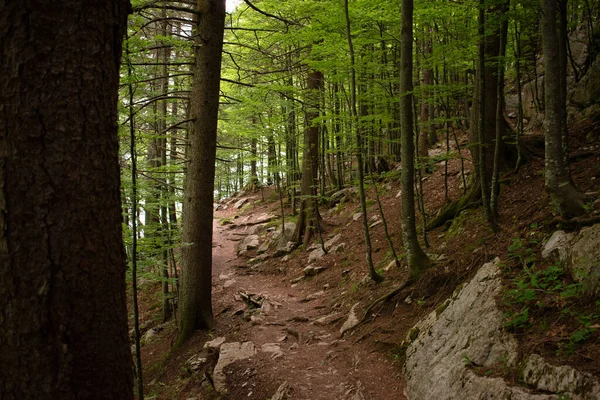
(365,363)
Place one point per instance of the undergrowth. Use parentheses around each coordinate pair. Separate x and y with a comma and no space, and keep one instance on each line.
(542,300)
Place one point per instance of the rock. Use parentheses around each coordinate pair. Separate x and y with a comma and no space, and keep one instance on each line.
(338,248)
(151,333)
(329,244)
(564,379)
(558,244)
(468,329)
(264,247)
(283,392)
(399,194)
(285,238)
(250,242)
(215,343)
(296,280)
(288,248)
(390,266)
(272,348)
(315,255)
(196,362)
(374,224)
(230,352)
(328,319)
(351,321)
(588,88)
(583,260)
(312,270)
(343,195)
(240,203)
(312,297)
(356,216)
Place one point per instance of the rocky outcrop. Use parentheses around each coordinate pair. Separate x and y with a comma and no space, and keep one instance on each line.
(230,352)
(580,253)
(467,331)
(584,261)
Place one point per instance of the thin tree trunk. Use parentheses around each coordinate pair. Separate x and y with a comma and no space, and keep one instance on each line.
(353,113)
(416,257)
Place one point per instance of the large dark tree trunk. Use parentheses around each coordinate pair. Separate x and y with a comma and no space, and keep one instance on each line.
(567,200)
(416,257)
(63,321)
(196,286)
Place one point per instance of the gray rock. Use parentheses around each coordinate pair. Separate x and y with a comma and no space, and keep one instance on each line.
(351,321)
(315,255)
(328,319)
(329,244)
(230,352)
(250,242)
(311,270)
(343,195)
(584,262)
(588,88)
(558,244)
(283,392)
(338,248)
(215,343)
(285,238)
(312,296)
(357,216)
(471,328)
(240,203)
(264,247)
(468,329)
(563,379)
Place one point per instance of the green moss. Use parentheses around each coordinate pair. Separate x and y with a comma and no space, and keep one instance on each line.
(413,334)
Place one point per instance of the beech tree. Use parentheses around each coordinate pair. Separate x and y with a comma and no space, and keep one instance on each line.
(415,256)
(196,281)
(566,198)
(63,320)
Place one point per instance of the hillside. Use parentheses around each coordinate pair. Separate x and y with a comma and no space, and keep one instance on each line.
(294,324)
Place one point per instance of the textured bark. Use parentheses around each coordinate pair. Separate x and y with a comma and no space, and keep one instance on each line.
(567,200)
(195,296)
(63,319)
(416,257)
(308,214)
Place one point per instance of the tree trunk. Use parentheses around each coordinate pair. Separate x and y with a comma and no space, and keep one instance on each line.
(196,297)
(416,257)
(309,215)
(63,320)
(566,198)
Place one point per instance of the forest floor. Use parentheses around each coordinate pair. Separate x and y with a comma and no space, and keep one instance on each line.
(258,303)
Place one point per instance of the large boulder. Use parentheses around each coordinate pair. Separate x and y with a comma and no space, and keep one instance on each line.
(584,260)
(284,238)
(587,90)
(467,330)
(230,353)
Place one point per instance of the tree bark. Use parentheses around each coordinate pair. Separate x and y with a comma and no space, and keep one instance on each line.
(308,214)
(196,285)
(565,197)
(63,320)
(416,257)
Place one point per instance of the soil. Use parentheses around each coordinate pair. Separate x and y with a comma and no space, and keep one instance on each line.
(366,363)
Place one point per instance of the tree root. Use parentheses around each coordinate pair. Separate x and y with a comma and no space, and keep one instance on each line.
(577,221)
(451,210)
(383,298)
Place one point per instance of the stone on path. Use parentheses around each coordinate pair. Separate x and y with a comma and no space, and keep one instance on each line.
(230,352)
(240,203)
(351,321)
(283,392)
(215,343)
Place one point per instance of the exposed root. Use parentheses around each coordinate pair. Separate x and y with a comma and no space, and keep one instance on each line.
(383,298)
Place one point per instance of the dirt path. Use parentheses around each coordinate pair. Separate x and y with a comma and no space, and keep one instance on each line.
(312,358)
